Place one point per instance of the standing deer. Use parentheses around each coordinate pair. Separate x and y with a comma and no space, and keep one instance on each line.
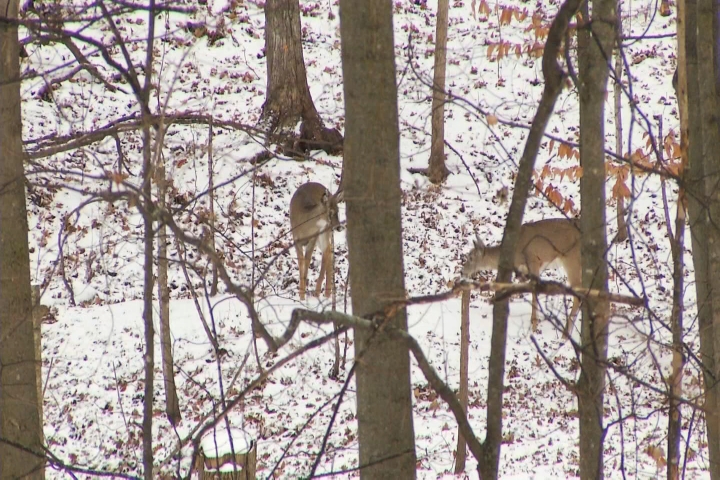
(313,216)
(544,244)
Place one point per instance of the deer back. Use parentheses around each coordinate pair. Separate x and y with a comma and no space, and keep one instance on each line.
(546,242)
(539,245)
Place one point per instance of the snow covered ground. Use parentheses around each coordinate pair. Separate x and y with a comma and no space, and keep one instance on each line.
(92,363)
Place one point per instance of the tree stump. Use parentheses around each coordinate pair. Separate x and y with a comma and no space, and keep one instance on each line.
(219,461)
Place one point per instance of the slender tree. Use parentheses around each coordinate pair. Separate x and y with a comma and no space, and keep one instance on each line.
(674,446)
(172,403)
(622,232)
(595,44)
(437,170)
(461,452)
(372,193)
(288,101)
(488,465)
(21,454)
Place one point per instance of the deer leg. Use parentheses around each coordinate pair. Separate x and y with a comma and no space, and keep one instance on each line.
(534,270)
(330,280)
(323,270)
(571,318)
(533,314)
(302,270)
(574,273)
(330,271)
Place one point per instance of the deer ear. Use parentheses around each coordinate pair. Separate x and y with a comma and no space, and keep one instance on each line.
(477,243)
(324,200)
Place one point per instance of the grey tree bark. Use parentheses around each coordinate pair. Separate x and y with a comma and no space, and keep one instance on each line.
(706,32)
(288,99)
(172,404)
(697,212)
(148,254)
(698,87)
(148,284)
(39,312)
(211,202)
(674,442)
(595,45)
(461,450)
(374,236)
(622,230)
(437,170)
(21,454)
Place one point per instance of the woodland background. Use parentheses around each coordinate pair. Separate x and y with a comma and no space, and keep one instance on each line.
(159,150)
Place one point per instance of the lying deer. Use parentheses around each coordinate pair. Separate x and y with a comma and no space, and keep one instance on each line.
(313,216)
(544,244)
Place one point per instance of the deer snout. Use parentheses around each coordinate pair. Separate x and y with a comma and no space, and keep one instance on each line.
(335,221)
(471,265)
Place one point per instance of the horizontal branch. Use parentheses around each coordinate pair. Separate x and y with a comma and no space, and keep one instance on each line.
(544,287)
(52,145)
(551,288)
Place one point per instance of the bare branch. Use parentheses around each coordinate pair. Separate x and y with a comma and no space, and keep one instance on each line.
(52,145)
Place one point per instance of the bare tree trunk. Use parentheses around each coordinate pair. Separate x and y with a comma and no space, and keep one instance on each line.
(38,312)
(335,371)
(148,310)
(691,141)
(148,237)
(374,236)
(622,232)
(463,391)
(677,246)
(172,404)
(676,236)
(437,171)
(708,107)
(288,99)
(488,466)
(19,402)
(211,200)
(595,44)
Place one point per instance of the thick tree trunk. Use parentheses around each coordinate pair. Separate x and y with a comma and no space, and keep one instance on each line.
(437,171)
(374,236)
(708,107)
(19,403)
(692,134)
(288,100)
(595,44)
